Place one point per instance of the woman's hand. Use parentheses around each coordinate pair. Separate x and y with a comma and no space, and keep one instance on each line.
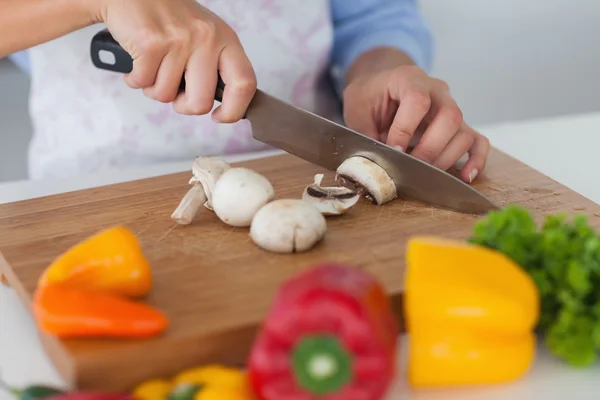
(403,105)
(170,38)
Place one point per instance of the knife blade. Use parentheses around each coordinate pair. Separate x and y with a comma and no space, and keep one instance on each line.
(326,143)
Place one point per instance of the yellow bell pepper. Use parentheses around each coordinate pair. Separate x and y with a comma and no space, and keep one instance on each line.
(470,312)
(111,261)
(217,383)
(157,389)
(212,382)
(214,375)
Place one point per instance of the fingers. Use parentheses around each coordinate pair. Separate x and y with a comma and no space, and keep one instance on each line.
(201,82)
(145,67)
(458,146)
(168,78)
(426,116)
(477,158)
(191,42)
(240,83)
(415,103)
(445,124)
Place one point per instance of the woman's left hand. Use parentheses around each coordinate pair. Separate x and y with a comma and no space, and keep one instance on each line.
(403,106)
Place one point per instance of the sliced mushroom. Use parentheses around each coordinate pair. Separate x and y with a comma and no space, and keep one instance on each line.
(288,226)
(330,200)
(206,172)
(369,178)
(239,194)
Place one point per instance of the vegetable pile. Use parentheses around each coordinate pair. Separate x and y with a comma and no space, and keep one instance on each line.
(473,307)
(563,259)
(93,290)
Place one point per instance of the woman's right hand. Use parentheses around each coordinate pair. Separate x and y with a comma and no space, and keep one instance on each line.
(170,38)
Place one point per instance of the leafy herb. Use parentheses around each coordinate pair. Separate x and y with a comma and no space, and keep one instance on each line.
(563,259)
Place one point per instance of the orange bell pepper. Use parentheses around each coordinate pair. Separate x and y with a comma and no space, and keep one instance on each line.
(69,312)
(111,260)
(470,312)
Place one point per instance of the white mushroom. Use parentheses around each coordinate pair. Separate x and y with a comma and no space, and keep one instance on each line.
(206,172)
(239,194)
(330,200)
(288,226)
(369,178)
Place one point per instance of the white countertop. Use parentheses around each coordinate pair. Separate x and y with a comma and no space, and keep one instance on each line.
(573,140)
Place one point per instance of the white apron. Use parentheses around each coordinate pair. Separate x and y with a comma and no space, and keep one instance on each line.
(86,119)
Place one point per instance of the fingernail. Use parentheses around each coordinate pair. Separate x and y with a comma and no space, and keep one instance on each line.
(473,175)
(399,148)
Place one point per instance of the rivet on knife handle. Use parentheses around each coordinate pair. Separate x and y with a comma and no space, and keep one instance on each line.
(104,45)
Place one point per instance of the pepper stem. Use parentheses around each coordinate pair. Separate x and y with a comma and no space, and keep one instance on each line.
(185,391)
(322,365)
(14,391)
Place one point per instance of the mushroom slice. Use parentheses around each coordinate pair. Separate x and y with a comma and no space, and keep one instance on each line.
(288,226)
(330,200)
(206,172)
(239,194)
(369,178)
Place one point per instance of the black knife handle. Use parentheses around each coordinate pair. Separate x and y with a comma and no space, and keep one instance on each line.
(103,42)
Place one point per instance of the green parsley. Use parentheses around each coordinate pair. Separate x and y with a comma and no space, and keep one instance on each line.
(563,259)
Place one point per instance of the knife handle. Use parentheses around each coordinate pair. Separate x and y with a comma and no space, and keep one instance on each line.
(103,43)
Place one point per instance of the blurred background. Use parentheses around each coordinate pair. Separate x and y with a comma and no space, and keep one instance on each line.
(505,60)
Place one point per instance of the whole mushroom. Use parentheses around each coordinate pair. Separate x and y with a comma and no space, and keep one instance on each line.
(367,177)
(288,226)
(206,172)
(239,194)
(330,200)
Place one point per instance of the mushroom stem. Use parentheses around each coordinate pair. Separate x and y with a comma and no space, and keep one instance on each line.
(189,205)
(206,172)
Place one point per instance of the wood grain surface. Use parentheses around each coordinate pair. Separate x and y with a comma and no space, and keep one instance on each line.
(210,279)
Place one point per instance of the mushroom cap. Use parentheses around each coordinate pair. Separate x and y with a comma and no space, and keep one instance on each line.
(363,172)
(239,194)
(330,200)
(288,226)
(207,171)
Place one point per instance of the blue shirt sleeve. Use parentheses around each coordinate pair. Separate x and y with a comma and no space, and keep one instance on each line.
(361,25)
(21,60)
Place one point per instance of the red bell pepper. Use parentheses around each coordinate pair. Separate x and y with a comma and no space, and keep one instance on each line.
(330,334)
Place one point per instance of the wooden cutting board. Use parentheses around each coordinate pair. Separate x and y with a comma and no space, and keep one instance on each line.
(214,284)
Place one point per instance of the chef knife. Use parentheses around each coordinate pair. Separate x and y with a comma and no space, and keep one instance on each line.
(325,143)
